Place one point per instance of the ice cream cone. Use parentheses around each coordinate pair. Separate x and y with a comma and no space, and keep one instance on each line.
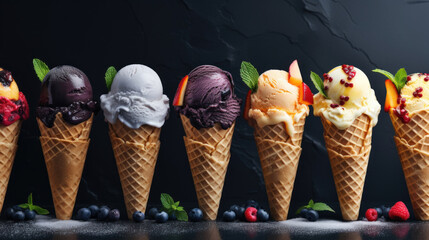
(348,152)
(64,160)
(136,152)
(279,155)
(208,154)
(64,148)
(8,145)
(412,142)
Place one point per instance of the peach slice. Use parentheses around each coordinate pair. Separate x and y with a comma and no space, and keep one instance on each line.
(392,95)
(180,93)
(295,77)
(305,95)
(247,106)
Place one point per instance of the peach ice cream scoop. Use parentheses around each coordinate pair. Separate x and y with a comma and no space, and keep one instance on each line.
(276,100)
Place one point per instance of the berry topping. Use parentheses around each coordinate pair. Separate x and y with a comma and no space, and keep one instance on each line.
(5,78)
(342,81)
(349,70)
(325,76)
(371,214)
(251,214)
(426,79)
(399,212)
(334,105)
(408,78)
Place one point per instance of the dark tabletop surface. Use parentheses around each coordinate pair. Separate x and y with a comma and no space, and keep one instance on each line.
(298,228)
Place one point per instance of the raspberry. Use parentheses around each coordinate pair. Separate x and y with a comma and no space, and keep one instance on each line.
(371,214)
(399,212)
(250,214)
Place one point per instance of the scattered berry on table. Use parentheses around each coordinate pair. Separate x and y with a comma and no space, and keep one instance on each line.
(18,216)
(250,214)
(29,214)
(152,213)
(195,215)
(9,213)
(94,210)
(252,203)
(228,216)
(103,212)
(312,215)
(379,212)
(262,215)
(114,215)
(138,216)
(83,214)
(304,212)
(371,215)
(161,217)
(399,212)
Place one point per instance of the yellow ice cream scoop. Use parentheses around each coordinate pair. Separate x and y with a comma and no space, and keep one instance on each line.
(416,92)
(8,87)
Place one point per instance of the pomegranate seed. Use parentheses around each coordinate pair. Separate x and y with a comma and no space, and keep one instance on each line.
(420,95)
(334,105)
(419,89)
(325,76)
(346,71)
(406,119)
(408,78)
(342,81)
(349,78)
(351,67)
(342,103)
(346,98)
(326,88)
(415,94)
(330,79)
(342,97)
(426,79)
(344,66)
(403,100)
(403,111)
(398,100)
(346,84)
(353,73)
(351,85)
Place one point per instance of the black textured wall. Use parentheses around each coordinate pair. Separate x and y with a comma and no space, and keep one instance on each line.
(173,37)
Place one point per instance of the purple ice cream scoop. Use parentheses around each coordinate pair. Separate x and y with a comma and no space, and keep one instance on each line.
(209,98)
(66,89)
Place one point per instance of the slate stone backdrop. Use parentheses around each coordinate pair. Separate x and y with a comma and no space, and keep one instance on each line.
(173,37)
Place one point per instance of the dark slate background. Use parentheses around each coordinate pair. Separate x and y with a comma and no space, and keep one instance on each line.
(173,37)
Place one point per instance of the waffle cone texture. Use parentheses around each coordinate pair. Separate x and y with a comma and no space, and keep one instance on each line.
(136,152)
(8,145)
(412,143)
(348,152)
(64,148)
(208,155)
(279,154)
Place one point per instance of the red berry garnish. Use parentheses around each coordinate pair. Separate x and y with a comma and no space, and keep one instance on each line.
(325,76)
(399,212)
(351,85)
(334,105)
(408,78)
(346,98)
(342,81)
(250,214)
(346,84)
(371,215)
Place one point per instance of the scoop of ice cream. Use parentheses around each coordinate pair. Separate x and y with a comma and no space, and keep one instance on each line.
(64,85)
(13,104)
(349,95)
(66,89)
(209,98)
(8,87)
(276,100)
(416,93)
(136,98)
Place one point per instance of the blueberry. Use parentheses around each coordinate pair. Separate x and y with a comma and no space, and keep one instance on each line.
(29,214)
(172,217)
(312,215)
(262,215)
(114,215)
(252,203)
(229,216)
(161,217)
(240,214)
(138,216)
(94,210)
(152,213)
(304,212)
(379,212)
(386,212)
(195,215)
(17,208)
(9,213)
(234,208)
(102,213)
(18,216)
(83,214)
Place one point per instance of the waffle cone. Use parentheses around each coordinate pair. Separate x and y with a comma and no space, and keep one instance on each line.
(64,147)
(64,160)
(64,130)
(208,155)
(8,145)
(412,143)
(348,152)
(136,152)
(279,155)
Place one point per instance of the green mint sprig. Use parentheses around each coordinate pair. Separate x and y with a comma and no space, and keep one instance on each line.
(250,75)
(318,83)
(172,207)
(400,78)
(31,206)
(318,206)
(40,68)
(109,76)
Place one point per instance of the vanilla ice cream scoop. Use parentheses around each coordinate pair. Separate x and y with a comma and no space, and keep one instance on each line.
(136,98)
(349,96)
(416,93)
(276,100)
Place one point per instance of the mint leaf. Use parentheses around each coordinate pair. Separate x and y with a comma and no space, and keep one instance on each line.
(166,200)
(181,216)
(318,83)
(249,75)
(30,199)
(180,208)
(40,68)
(109,76)
(385,73)
(40,211)
(319,206)
(24,206)
(311,203)
(401,79)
